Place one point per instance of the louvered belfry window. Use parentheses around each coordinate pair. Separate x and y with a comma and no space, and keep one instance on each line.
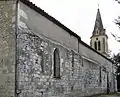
(99,46)
(95,45)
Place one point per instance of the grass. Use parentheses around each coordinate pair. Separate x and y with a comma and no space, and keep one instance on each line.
(108,95)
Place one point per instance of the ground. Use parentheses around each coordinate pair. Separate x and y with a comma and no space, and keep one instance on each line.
(109,95)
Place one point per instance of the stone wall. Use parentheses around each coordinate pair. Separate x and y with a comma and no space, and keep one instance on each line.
(35,68)
(83,72)
(7,48)
(78,75)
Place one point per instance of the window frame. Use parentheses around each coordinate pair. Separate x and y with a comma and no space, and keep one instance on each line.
(56,65)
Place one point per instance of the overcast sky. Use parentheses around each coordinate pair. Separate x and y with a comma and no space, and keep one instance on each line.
(80,15)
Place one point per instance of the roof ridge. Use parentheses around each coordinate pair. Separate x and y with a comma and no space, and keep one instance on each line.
(52,19)
(45,14)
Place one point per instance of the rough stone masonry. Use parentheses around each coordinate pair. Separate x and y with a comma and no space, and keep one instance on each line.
(7,49)
(39,57)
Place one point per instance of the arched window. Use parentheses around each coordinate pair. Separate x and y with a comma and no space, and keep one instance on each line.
(95,45)
(56,63)
(97,31)
(100,79)
(72,62)
(99,46)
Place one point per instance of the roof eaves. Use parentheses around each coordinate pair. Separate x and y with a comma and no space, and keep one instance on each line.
(43,13)
(95,51)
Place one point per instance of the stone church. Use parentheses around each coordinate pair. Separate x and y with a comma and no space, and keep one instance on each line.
(40,57)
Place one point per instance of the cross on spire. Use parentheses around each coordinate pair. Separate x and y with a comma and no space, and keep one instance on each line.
(98,5)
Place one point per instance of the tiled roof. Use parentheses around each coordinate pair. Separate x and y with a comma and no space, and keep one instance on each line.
(43,13)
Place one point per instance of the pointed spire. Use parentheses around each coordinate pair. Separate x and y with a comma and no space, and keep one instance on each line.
(98,22)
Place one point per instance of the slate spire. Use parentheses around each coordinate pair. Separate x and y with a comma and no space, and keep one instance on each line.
(98,23)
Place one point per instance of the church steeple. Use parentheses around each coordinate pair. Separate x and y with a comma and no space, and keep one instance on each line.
(98,22)
(99,37)
(98,25)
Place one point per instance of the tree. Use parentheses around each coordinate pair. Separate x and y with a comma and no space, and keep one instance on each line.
(118,1)
(117,62)
(116,58)
(117,22)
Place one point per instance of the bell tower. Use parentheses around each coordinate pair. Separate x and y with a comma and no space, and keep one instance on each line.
(99,38)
